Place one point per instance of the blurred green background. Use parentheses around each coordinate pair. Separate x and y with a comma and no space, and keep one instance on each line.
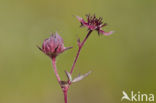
(125,60)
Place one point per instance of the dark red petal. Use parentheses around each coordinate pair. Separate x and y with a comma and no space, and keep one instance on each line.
(91,27)
(105,33)
(81,20)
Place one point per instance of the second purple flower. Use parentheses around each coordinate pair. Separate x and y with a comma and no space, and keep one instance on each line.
(53,46)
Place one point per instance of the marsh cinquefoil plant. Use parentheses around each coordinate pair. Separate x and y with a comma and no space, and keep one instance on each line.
(53,46)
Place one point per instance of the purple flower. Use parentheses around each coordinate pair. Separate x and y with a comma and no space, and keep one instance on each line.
(53,46)
(94,23)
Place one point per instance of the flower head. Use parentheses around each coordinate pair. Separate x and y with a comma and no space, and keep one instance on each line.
(53,46)
(94,23)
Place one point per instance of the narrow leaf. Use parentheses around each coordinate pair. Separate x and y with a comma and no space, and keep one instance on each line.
(68,76)
(80,77)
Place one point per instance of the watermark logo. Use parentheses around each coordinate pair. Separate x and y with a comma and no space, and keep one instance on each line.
(137,96)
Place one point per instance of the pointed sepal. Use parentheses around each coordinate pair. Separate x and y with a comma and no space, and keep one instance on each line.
(66,48)
(39,48)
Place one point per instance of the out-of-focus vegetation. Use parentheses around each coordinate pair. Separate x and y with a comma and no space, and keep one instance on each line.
(122,61)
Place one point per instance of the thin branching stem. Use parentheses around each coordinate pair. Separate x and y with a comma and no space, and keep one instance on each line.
(79,50)
(55,69)
(65,96)
(65,90)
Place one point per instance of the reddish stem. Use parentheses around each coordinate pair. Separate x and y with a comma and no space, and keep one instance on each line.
(78,53)
(65,89)
(65,95)
(55,69)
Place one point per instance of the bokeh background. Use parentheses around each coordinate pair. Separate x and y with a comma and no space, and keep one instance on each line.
(125,60)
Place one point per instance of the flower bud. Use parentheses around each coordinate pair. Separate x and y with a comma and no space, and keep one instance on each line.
(53,46)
